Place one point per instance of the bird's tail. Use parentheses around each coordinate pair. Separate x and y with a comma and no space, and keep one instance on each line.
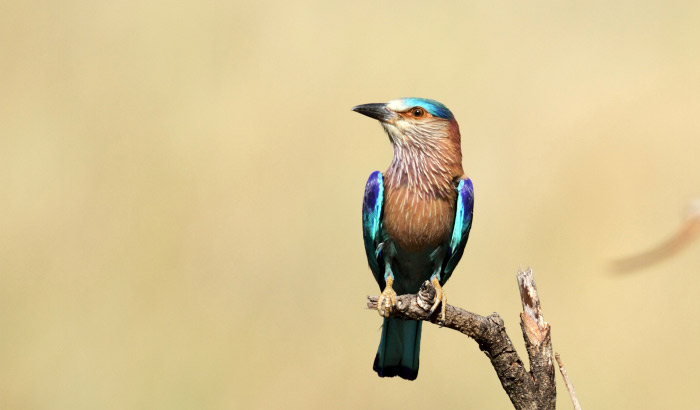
(399,349)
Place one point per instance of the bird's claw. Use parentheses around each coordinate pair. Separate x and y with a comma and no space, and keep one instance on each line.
(387,300)
(440,299)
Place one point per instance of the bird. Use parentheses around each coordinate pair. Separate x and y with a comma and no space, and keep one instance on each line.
(416,219)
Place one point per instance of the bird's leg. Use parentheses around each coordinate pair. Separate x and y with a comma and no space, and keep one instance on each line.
(387,300)
(440,298)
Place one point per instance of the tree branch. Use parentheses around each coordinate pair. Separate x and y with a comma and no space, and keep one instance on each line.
(567,382)
(534,389)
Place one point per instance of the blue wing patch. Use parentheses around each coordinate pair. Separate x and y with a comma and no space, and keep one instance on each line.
(463,224)
(372,206)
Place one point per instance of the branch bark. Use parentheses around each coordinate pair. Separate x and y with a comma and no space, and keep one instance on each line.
(527,390)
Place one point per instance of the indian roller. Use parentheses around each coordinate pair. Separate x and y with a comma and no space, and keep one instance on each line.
(415,219)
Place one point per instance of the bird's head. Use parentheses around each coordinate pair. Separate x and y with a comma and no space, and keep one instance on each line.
(414,122)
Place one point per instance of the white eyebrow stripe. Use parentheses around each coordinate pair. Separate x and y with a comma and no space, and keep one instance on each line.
(397,105)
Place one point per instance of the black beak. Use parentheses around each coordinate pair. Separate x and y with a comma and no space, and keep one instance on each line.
(376,111)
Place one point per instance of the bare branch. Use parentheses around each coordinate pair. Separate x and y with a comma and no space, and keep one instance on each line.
(569,385)
(537,340)
(534,389)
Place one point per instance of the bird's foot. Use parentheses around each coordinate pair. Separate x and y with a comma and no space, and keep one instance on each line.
(387,300)
(440,299)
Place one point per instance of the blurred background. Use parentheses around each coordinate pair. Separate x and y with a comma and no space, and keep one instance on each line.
(181,183)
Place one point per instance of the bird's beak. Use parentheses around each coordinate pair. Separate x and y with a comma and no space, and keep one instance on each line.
(376,111)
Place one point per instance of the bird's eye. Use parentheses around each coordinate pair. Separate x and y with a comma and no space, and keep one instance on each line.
(417,112)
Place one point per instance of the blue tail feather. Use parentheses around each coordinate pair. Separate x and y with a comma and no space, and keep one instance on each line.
(399,349)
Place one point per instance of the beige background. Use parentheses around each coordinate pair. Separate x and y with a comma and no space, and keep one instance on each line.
(180,190)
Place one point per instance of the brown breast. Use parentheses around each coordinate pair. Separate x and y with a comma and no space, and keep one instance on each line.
(416,221)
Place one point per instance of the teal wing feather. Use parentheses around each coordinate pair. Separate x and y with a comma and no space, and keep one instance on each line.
(372,206)
(462,226)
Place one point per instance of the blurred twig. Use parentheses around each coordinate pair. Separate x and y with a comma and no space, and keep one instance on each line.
(681,239)
(534,389)
(569,385)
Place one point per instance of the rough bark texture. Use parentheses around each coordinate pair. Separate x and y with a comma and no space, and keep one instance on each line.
(527,390)
(538,342)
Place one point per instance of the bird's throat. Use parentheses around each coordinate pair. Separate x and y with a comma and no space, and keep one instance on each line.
(420,192)
(425,173)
